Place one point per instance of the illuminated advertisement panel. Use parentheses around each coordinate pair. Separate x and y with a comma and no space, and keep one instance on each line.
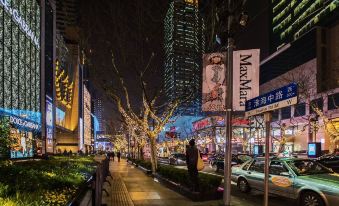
(49,125)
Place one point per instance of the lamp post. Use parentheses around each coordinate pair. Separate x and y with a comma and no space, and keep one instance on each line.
(233,14)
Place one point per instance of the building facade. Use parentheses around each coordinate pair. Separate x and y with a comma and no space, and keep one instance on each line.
(98,112)
(184,46)
(20,73)
(291,19)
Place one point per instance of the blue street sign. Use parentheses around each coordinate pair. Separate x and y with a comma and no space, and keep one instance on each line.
(275,99)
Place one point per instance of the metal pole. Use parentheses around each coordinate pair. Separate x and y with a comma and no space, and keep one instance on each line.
(267,117)
(229,107)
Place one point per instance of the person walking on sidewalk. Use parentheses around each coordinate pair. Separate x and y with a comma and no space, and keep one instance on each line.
(192,161)
(112,155)
(118,155)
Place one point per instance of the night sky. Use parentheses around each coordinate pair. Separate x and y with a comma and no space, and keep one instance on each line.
(133,30)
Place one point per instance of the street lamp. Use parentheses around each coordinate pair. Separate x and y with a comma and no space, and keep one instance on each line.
(234,12)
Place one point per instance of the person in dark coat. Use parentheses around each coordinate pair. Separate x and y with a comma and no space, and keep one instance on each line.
(118,155)
(112,155)
(192,161)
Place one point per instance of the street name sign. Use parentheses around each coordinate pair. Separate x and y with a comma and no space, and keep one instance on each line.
(276,99)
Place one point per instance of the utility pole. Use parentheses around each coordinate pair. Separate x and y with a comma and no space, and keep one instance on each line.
(229,108)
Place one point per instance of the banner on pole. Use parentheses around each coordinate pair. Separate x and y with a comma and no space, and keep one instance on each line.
(214,82)
(245,77)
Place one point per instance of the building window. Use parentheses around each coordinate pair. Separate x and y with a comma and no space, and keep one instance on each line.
(316,103)
(286,113)
(300,110)
(333,101)
(275,115)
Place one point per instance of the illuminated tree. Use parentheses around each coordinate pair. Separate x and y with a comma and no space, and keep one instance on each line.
(147,119)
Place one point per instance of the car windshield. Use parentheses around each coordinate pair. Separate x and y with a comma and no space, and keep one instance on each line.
(307,167)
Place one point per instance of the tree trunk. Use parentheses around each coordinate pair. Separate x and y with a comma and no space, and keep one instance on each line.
(153,155)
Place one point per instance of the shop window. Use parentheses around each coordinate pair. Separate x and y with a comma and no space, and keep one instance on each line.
(333,101)
(317,103)
(286,113)
(275,115)
(300,110)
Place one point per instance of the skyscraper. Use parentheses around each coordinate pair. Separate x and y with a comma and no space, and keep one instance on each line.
(98,111)
(67,15)
(184,46)
(291,19)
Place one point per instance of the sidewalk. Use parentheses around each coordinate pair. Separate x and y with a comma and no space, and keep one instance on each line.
(131,186)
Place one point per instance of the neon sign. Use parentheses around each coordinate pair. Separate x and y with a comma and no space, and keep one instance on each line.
(20,21)
(23,123)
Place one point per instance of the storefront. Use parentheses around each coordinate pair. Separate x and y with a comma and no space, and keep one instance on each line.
(209,133)
(20,74)
(25,134)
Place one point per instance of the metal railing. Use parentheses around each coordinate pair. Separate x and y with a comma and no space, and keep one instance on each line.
(99,178)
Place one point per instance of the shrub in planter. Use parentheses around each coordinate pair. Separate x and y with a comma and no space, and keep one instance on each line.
(207,183)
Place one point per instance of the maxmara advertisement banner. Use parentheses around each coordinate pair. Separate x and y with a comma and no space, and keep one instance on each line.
(245,77)
(214,82)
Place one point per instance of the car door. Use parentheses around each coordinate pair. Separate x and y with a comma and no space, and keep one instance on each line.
(280,180)
(255,174)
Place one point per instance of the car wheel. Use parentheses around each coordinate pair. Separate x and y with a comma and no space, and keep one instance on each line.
(311,199)
(243,185)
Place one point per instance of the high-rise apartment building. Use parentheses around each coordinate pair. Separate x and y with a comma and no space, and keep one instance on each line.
(67,14)
(98,112)
(291,18)
(184,46)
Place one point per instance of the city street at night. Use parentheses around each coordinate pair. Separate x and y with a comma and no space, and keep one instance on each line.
(169,102)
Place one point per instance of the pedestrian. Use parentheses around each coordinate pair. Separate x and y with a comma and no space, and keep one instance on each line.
(118,155)
(192,161)
(112,155)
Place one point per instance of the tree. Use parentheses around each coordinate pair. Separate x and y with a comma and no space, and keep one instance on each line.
(149,119)
(6,141)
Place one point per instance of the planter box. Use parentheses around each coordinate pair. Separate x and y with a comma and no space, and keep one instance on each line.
(194,196)
(147,171)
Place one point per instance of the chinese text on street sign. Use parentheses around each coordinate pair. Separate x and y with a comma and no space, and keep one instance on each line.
(279,98)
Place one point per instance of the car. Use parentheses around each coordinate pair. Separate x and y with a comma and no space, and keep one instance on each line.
(214,157)
(330,161)
(177,159)
(304,180)
(237,159)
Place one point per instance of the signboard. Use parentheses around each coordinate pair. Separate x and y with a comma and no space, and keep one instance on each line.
(314,149)
(201,124)
(14,13)
(214,82)
(49,125)
(245,77)
(22,123)
(279,98)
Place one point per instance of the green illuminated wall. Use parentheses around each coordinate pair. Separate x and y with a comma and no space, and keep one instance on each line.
(20,55)
(293,18)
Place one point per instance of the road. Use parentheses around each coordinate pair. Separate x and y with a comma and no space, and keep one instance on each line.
(255,197)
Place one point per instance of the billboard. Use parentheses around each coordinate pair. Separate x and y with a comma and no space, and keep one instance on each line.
(214,82)
(49,125)
(245,77)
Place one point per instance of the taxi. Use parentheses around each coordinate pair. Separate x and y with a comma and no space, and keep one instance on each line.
(305,180)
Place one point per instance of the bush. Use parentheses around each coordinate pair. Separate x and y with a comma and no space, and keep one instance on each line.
(44,182)
(207,182)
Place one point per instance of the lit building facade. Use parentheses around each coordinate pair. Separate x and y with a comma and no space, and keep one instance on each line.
(291,18)
(184,46)
(20,73)
(98,112)
(87,120)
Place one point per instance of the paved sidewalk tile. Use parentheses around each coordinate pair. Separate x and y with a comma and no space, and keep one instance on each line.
(131,186)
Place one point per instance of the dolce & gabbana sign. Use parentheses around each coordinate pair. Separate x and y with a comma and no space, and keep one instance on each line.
(23,123)
(20,21)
